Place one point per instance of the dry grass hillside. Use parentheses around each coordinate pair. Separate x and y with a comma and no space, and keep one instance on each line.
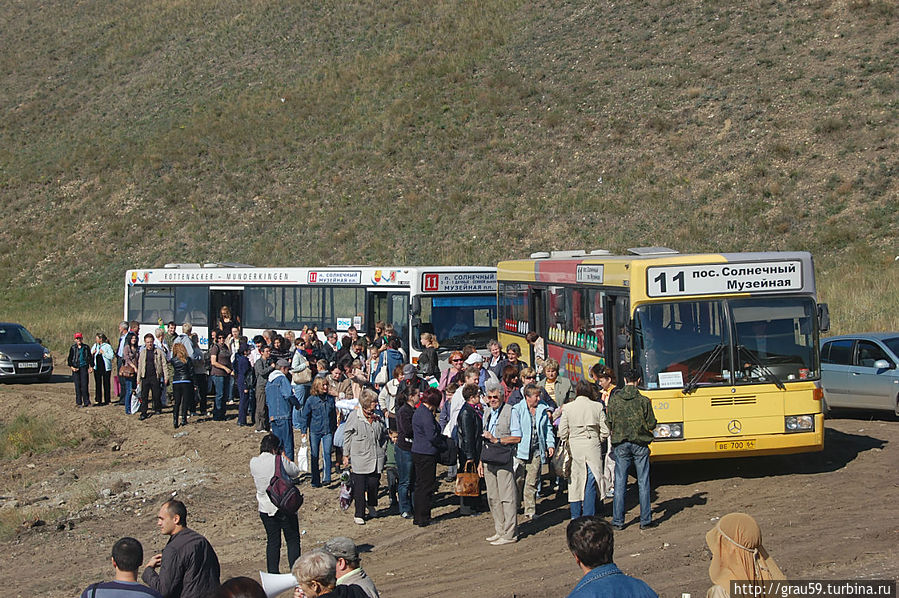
(136,133)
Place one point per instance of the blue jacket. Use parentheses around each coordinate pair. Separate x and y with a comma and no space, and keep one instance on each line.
(424,432)
(607,581)
(545,437)
(279,396)
(394,358)
(319,415)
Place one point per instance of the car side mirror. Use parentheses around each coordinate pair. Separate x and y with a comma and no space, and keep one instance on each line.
(823,317)
(883,364)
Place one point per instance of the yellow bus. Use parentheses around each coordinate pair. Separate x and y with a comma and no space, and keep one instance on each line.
(727,343)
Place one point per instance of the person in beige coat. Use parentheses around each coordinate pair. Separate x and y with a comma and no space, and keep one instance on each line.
(583,425)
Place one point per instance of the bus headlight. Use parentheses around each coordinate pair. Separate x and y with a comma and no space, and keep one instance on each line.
(799,423)
(669,431)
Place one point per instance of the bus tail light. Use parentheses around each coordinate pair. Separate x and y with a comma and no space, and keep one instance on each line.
(672,431)
(799,423)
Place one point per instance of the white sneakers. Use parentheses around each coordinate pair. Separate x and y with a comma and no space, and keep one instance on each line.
(493,538)
(503,541)
(358,520)
(406,515)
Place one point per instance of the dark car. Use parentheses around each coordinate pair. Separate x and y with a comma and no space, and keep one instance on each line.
(22,355)
(861,371)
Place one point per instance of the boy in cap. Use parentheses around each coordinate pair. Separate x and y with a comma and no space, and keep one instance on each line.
(349,565)
(411,378)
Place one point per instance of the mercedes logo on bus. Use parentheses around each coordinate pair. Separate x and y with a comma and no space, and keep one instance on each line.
(734,426)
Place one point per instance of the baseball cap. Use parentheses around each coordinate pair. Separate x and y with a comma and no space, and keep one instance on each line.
(474,358)
(283,363)
(78,335)
(341,547)
(408,371)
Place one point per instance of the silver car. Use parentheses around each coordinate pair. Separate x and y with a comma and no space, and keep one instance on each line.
(22,355)
(861,371)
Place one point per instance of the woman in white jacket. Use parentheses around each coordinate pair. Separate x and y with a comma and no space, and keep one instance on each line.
(583,425)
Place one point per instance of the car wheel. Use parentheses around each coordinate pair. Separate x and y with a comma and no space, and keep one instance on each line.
(896,411)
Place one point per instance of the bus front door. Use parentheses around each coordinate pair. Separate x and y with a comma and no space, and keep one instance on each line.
(537,319)
(390,307)
(219,297)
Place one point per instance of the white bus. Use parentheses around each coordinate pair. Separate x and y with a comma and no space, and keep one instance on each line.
(456,303)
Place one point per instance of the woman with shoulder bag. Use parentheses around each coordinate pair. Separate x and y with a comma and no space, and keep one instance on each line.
(583,425)
(102,356)
(300,378)
(470,432)
(275,521)
(501,434)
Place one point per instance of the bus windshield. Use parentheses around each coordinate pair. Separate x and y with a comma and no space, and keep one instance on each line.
(689,343)
(457,321)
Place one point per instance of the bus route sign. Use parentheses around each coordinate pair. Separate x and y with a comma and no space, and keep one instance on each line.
(458,282)
(723,279)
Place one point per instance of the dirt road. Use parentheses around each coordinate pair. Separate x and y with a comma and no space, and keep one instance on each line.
(829,515)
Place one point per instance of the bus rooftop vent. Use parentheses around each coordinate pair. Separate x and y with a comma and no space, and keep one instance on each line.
(540,255)
(600,252)
(178,265)
(652,251)
(564,254)
(226,265)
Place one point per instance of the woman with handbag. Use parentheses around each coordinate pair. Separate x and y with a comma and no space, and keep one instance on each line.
(102,355)
(426,441)
(128,372)
(405,410)
(583,425)
(470,432)
(501,434)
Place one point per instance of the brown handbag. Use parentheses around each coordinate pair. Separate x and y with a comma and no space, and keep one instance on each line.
(468,483)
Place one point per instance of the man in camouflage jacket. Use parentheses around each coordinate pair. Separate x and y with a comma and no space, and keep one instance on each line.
(632,420)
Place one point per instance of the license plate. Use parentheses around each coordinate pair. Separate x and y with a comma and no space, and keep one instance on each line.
(29,364)
(735,445)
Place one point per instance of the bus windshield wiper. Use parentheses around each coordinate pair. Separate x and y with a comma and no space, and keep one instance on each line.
(758,362)
(694,381)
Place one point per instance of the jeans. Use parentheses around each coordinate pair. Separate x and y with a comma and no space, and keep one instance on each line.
(300,391)
(222,393)
(588,505)
(628,453)
(282,429)
(274,526)
(404,472)
(127,389)
(322,442)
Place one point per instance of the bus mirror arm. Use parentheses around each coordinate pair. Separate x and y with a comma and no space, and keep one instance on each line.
(416,321)
(416,306)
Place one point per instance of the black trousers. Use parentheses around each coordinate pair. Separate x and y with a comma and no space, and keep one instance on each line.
(275,525)
(182,397)
(365,484)
(82,392)
(101,386)
(425,467)
(146,386)
(198,400)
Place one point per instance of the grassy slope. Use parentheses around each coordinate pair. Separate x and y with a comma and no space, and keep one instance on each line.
(136,133)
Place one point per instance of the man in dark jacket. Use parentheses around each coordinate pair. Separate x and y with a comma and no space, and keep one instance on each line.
(80,362)
(190,567)
(632,421)
(262,368)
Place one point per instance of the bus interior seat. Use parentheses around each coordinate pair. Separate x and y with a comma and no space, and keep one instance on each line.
(198,317)
(167,316)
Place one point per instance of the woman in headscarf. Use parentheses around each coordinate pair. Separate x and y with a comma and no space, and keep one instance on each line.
(738,554)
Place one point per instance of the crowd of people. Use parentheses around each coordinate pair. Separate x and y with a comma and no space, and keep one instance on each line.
(188,566)
(360,407)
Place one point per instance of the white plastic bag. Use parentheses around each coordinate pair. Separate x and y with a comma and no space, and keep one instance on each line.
(303,456)
(135,401)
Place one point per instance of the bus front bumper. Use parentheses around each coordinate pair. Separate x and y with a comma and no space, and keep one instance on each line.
(740,446)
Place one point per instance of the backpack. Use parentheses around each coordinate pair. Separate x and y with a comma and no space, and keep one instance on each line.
(282,492)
